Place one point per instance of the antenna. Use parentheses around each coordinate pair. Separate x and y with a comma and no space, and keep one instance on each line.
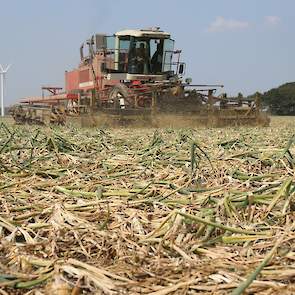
(3,71)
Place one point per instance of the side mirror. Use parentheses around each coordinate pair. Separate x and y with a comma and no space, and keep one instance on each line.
(181,69)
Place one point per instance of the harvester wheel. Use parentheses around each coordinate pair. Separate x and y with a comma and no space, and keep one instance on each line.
(119,95)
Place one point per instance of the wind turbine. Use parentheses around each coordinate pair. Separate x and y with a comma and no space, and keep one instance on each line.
(3,71)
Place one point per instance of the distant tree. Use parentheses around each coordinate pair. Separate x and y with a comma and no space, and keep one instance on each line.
(240,99)
(240,95)
(281,100)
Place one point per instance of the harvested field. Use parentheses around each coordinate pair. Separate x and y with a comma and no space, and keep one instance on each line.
(145,211)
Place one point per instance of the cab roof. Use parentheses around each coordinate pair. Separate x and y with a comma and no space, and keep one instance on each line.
(151,33)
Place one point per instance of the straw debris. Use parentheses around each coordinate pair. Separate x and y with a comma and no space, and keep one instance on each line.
(143,211)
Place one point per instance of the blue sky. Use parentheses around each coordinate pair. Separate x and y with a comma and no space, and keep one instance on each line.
(247,45)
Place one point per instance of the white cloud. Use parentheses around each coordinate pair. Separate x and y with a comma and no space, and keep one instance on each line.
(272,20)
(220,24)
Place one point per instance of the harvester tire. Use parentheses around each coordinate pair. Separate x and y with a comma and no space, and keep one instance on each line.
(117,92)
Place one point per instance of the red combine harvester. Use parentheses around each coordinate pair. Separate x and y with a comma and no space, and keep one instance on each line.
(136,75)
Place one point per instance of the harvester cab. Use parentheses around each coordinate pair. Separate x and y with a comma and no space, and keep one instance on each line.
(142,55)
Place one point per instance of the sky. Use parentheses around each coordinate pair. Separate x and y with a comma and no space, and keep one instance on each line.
(247,45)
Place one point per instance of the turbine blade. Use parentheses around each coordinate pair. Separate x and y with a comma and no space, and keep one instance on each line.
(7,68)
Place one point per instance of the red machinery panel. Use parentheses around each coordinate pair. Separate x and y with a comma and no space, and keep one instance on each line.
(84,76)
(72,80)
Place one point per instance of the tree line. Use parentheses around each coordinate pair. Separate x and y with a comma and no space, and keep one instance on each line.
(280,100)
